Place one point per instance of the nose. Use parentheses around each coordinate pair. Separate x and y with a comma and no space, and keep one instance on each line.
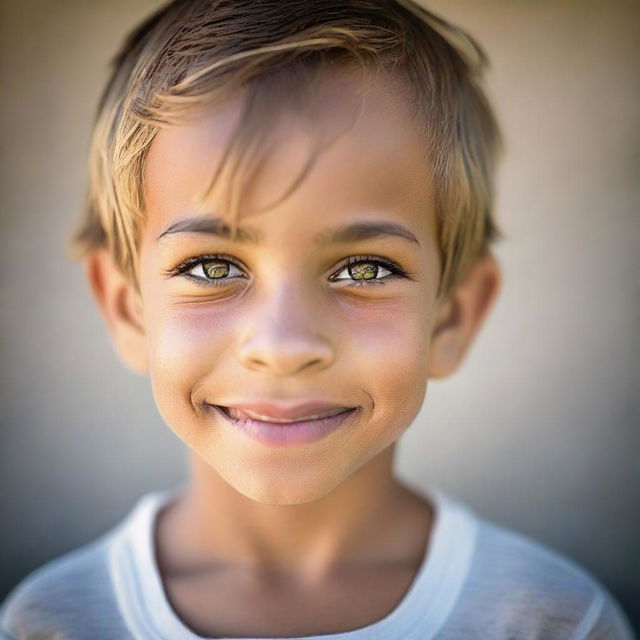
(283,335)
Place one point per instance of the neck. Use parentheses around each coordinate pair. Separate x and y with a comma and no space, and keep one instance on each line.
(362,520)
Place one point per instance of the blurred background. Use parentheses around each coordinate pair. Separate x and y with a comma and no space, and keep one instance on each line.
(539,429)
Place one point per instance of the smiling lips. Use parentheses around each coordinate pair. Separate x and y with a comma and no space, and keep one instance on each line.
(285,415)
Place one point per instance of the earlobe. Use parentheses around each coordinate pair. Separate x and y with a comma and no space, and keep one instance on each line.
(461,316)
(121,308)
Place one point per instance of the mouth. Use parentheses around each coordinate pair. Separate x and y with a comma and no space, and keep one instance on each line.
(236,413)
(302,428)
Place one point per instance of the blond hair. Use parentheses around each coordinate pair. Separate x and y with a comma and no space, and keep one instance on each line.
(192,55)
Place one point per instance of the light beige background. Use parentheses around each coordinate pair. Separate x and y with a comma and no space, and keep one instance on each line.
(538,431)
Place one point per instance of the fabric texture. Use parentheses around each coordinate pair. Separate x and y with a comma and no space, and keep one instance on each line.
(476,580)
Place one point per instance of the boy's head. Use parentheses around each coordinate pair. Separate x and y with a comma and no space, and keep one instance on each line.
(290,202)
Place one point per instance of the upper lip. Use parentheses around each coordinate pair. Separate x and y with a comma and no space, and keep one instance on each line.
(289,412)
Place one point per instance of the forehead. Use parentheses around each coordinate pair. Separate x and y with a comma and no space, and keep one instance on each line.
(372,158)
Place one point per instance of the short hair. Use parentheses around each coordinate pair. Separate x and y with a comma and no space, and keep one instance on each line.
(192,55)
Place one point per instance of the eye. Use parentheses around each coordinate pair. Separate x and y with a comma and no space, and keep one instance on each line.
(365,270)
(216,270)
(208,270)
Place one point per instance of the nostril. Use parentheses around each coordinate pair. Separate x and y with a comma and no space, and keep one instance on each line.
(286,359)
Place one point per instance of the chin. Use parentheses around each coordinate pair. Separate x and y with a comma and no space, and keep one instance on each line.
(282,490)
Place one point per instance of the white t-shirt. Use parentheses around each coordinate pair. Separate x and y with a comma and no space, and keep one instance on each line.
(477,581)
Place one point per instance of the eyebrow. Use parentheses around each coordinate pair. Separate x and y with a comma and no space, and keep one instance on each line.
(353,232)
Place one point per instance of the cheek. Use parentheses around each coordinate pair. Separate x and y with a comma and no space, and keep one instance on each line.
(184,346)
(396,343)
(181,340)
(391,351)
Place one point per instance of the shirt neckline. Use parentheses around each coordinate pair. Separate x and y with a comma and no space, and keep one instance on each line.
(421,613)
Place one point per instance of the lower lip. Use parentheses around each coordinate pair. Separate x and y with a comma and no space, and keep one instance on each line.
(289,434)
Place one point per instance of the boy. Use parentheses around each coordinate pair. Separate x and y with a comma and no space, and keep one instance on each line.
(288,228)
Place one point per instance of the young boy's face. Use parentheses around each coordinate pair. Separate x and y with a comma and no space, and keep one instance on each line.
(283,318)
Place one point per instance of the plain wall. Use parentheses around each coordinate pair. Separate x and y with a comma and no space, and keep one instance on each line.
(537,431)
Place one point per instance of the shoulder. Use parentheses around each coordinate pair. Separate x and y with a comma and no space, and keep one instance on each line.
(539,588)
(518,559)
(62,594)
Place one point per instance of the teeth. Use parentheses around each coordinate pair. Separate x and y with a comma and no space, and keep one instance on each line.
(238,413)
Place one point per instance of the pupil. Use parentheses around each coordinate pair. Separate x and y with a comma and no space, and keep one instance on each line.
(216,269)
(363,271)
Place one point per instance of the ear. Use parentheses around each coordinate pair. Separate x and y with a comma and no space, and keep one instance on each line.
(460,316)
(121,307)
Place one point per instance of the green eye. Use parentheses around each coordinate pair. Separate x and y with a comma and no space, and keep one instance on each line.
(363,271)
(209,271)
(216,269)
(366,271)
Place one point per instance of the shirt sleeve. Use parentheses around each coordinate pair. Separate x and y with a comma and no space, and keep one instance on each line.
(604,620)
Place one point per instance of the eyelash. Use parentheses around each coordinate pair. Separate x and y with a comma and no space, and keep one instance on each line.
(190,263)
